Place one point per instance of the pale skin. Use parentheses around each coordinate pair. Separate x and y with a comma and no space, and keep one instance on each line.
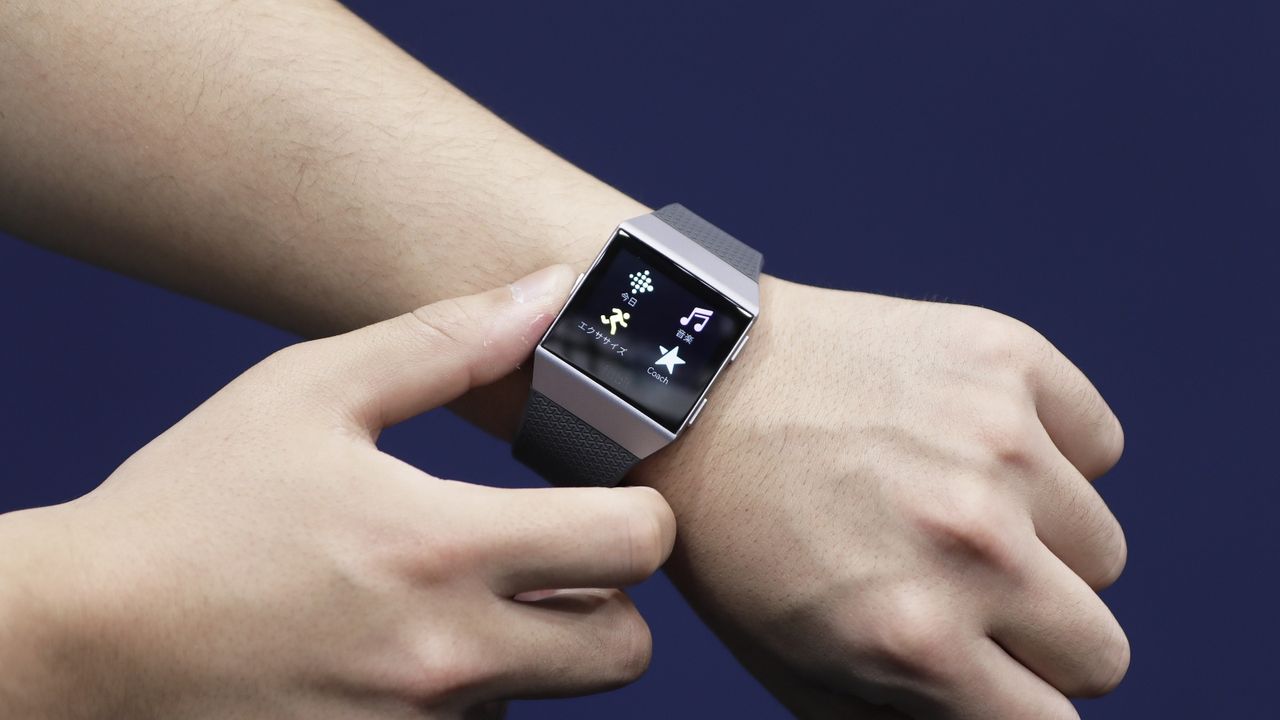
(905,527)
(263,559)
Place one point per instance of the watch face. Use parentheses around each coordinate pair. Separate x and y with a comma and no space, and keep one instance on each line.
(648,330)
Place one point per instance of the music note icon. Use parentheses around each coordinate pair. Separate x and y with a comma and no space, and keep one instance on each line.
(702,313)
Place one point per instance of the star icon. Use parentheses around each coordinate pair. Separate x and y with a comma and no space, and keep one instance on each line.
(670,358)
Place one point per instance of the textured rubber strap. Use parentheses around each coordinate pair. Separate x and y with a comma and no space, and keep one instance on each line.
(563,449)
(566,451)
(744,258)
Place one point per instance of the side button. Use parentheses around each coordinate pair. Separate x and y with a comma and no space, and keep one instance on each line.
(694,416)
(737,350)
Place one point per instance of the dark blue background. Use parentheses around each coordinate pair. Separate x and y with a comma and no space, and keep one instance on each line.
(1105,171)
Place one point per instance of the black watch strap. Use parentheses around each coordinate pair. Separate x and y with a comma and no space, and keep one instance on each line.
(562,448)
(741,256)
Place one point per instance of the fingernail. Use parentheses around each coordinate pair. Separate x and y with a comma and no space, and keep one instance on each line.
(540,595)
(538,285)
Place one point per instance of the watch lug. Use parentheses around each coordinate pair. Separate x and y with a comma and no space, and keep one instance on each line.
(712,270)
(595,405)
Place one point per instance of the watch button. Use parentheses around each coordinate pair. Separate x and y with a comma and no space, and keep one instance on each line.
(737,350)
(697,410)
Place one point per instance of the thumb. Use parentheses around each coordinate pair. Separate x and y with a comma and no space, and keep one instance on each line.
(398,368)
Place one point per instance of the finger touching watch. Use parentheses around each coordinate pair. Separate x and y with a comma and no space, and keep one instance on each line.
(626,366)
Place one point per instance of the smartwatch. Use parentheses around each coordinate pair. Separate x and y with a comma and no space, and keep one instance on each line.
(625,367)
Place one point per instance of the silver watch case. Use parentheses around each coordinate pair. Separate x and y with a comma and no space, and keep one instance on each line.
(595,404)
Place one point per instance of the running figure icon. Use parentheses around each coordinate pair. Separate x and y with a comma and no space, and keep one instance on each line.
(618,318)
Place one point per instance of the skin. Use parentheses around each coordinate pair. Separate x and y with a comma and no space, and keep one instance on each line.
(895,519)
(361,587)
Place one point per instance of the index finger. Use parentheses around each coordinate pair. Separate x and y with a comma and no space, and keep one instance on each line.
(549,538)
(392,370)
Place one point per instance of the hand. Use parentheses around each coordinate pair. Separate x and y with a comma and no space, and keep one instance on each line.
(262,559)
(885,510)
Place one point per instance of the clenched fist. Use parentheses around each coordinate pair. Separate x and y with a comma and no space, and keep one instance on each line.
(886,511)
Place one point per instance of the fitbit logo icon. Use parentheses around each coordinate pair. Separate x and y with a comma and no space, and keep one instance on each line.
(640,282)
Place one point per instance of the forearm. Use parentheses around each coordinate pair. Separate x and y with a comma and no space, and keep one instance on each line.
(280,158)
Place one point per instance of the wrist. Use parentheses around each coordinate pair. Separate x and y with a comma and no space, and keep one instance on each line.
(45,638)
(553,234)
(724,430)
(559,415)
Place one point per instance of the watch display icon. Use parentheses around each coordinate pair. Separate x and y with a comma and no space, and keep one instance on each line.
(640,282)
(702,315)
(670,358)
(617,318)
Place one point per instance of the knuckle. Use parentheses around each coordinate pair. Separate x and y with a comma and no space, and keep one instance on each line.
(1006,433)
(1111,439)
(632,647)
(998,339)
(646,538)
(1097,422)
(1092,651)
(1118,559)
(646,547)
(1111,667)
(448,551)
(973,522)
(443,321)
(611,651)
(1092,530)
(1112,551)
(440,671)
(912,638)
(443,562)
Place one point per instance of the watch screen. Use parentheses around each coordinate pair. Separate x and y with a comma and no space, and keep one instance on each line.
(648,330)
